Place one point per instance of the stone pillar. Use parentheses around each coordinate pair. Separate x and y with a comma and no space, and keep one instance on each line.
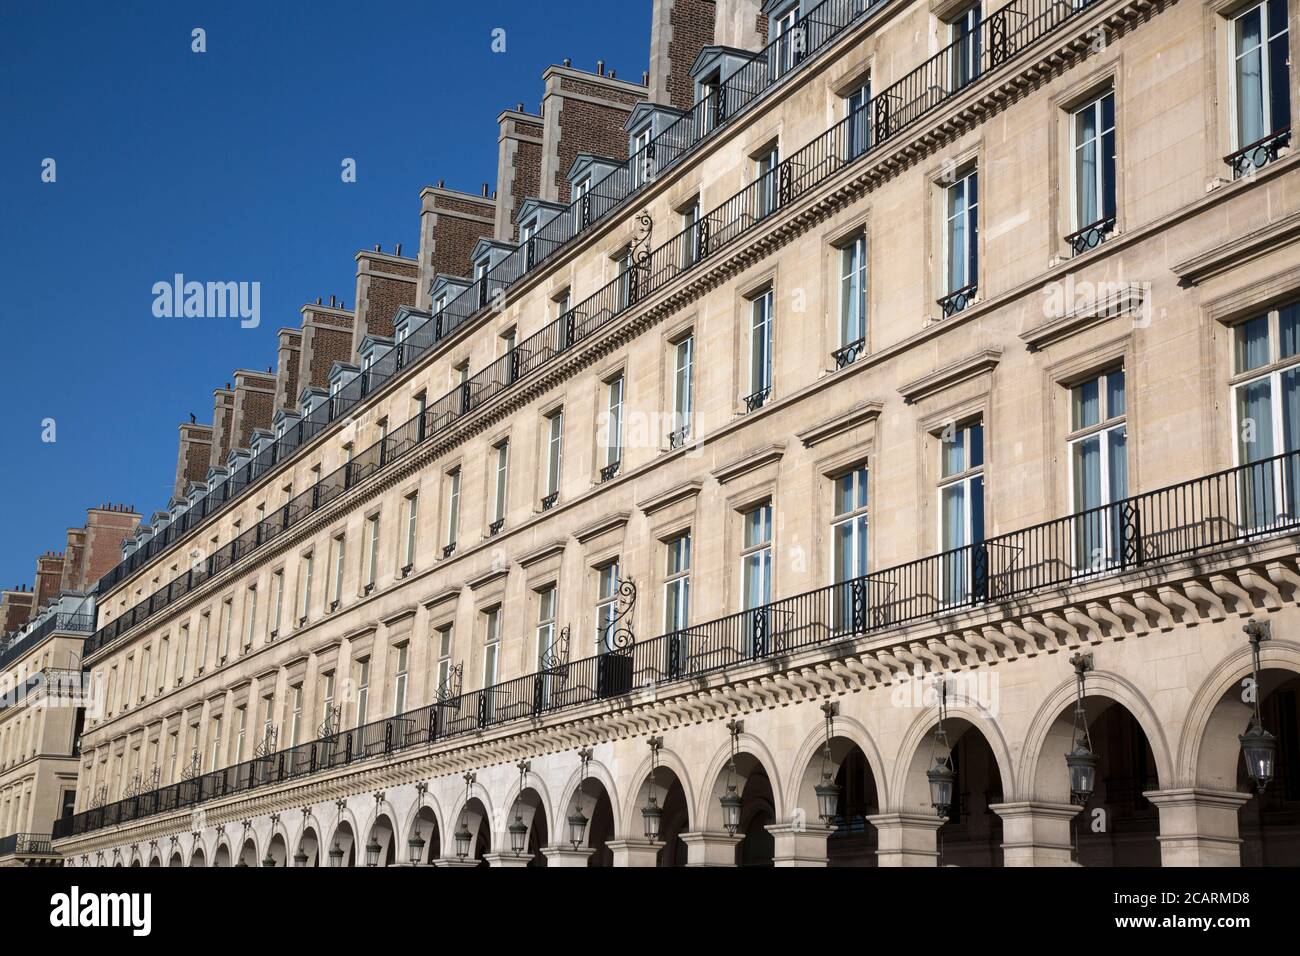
(907,839)
(635,852)
(799,844)
(707,848)
(509,860)
(1036,833)
(567,855)
(1198,827)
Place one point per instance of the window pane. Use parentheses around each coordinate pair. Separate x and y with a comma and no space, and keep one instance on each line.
(1118,463)
(1255,420)
(1250,79)
(954,516)
(954,453)
(1087,474)
(1115,399)
(977,509)
(976,446)
(1289,328)
(1087,408)
(1252,343)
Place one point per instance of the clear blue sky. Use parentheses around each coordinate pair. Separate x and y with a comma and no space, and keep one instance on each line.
(222,166)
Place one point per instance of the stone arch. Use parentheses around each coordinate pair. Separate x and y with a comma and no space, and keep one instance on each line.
(423,809)
(908,782)
(248,852)
(346,834)
(799,793)
(197,855)
(277,848)
(176,859)
(638,789)
(1051,730)
(309,843)
(384,832)
(222,855)
(1211,716)
(536,783)
(595,771)
(707,813)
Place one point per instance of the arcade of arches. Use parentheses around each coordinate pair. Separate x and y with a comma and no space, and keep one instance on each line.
(1163,714)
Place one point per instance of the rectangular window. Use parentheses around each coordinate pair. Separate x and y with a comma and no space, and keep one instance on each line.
(491,652)
(606,607)
(707,94)
(756,577)
(961,507)
(1261,72)
(327,699)
(857,121)
(399,681)
(1098,469)
(1266,407)
(546,651)
(295,724)
(623,263)
(683,390)
(277,602)
(501,483)
(241,729)
(453,508)
(250,615)
(182,653)
(961,235)
(268,722)
(363,690)
(853,300)
(372,552)
(765,176)
(691,233)
(849,549)
(964,44)
(442,675)
(304,607)
(215,743)
(164,652)
(1094,161)
(677,584)
(761,334)
(408,547)
(554,453)
(787,44)
(641,161)
(336,595)
(613,423)
(205,621)
(145,656)
(227,612)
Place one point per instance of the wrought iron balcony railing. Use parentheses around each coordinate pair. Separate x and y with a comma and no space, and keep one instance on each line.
(74,623)
(1240,505)
(678,438)
(958,300)
(610,471)
(26,844)
(1090,236)
(848,354)
(756,400)
(829,154)
(549,501)
(1258,154)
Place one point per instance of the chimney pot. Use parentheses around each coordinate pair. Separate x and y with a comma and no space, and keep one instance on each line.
(568,62)
(600,67)
(485,190)
(519,107)
(645,77)
(612,76)
(318,300)
(378,247)
(331,301)
(398,249)
(442,183)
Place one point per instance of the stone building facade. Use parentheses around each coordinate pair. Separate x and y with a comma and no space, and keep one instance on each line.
(933,407)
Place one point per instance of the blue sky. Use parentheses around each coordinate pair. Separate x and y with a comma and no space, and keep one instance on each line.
(223,166)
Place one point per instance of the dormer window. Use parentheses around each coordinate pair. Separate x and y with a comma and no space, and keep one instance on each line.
(527,231)
(440,303)
(642,171)
(787,44)
(582,187)
(708,95)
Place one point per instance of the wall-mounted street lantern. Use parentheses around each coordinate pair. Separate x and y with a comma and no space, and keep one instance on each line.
(577,819)
(462,835)
(1258,746)
(300,858)
(652,814)
(941,775)
(730,800)
(336,854)
(1081,761)
(828,791)
(415,842)
(372,851)
(518,830)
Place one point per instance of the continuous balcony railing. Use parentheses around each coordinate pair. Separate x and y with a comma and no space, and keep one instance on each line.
(766,69)
(829,154)
(26,844)
(74,623)
(1236,506)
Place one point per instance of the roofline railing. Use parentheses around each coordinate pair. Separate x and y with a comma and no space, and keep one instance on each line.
(846,143)
(1239,505)
(821,25)
(78,623)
